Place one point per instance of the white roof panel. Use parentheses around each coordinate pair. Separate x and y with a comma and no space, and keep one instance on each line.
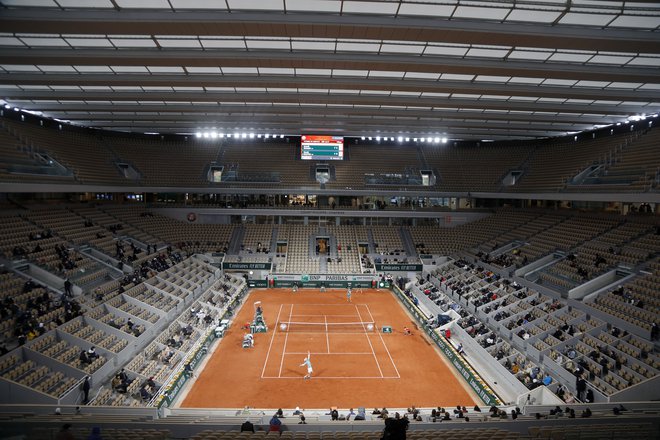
(143,4)
(492,78)
(133,42)
(586,19)
(597,84)
(10,41)
(320,72)
(609,59)
(623,85)
(37,3)
(570,57)
(50,68)
(635,21)
(361,7)
(358,47)
(276,71)
(93,69)
(89,42)
(402,48)
(261,5)
(198,4)
(525,80)
(457,77)
(529,55)
(645,61)
(314,5)
(237,70)
(129,69)
(488,53)
(179,42)
(313,45)
(96,4)
(426,9)
(481,13)
(203,69)
(32,41)
(446,50)
(533,16)
(226,43)
(266,44)
(345,72)
(165,69)
(386,74)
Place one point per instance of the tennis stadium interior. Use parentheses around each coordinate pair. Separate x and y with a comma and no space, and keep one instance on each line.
(495,164)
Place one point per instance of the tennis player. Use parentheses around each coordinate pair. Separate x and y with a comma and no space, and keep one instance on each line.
(308,363)
(348,295)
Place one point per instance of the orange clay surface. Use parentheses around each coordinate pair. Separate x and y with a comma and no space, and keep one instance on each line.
(352,366)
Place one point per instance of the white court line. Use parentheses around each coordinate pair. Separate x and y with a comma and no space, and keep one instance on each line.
(286,337)
(327,338)
(326,305)
(317,315)
(272,338)
(318,354)
(334,377)
(311,332)
(369,340)
(383,341)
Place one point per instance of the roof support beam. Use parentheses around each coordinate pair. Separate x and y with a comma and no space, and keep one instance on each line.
(281,81)
(309,25)
(318,60)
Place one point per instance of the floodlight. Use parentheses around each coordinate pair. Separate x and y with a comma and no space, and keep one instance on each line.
(214,134)
(251,135)
(407,139)
(362,138)
(243,135)
(436,140)
(197,135)
(444,140)
(400,139)
(206,135)
(378,138)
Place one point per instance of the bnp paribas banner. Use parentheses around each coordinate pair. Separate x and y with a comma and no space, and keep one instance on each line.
(318,280)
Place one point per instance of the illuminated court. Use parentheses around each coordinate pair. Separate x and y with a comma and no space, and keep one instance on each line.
(354,363)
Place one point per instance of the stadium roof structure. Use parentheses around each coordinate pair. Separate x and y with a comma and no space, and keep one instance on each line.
(460,69)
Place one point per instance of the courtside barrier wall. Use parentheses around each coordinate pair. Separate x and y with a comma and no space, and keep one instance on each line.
(470,376)
(174,384)
(321,280)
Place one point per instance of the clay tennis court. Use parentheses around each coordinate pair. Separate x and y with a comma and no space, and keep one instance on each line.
(355,364)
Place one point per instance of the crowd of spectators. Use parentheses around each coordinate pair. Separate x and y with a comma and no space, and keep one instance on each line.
(28,316)
(66,262)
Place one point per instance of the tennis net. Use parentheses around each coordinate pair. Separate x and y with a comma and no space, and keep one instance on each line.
(325,327)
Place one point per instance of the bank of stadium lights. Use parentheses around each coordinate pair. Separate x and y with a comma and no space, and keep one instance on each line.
(213,134)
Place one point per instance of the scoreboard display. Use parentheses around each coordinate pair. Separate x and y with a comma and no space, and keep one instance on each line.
(314,147)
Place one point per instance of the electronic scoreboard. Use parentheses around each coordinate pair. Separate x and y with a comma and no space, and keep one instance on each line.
(315,147)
